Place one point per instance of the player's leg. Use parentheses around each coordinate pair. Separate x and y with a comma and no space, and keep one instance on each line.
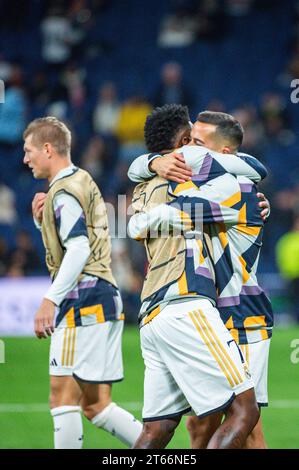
(207,366)
(98,408)
(202,429)
(163,403)
(257,357)
(98,364)
(157,434)
(240,419)
(65,394)
(256,439)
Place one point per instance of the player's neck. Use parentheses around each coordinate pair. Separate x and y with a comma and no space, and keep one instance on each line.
(59,165)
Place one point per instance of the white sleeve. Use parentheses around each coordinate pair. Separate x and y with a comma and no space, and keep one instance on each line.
(74,260)
(139,169)
(69,217)
(37,224)
(200,159)
(159,221)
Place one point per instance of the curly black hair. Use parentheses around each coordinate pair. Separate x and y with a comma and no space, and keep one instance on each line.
(162,126)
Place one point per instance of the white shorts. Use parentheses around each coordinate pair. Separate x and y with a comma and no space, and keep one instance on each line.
(191,362)
(257,356)
(89,353)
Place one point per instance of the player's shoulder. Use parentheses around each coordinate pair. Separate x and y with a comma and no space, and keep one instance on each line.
(193,150)
(199,152)
(63,198)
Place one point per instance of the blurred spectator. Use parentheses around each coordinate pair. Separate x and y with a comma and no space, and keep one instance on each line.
(172,89)
(287,256)
(58,105)
(5,69)
(12,111)
(121,263)
(129,281)
(79,15)
(274,116)
(4,256)
(73,78)
(57,36)
(106,112)
(93,158)
(130,126)
(23,258)
(177,30)
(253,129)
(8,213)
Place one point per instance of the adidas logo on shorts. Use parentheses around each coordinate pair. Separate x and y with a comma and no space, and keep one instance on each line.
(53,363)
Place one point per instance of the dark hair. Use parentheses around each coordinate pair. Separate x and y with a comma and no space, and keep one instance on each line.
(163,124)
(227,125)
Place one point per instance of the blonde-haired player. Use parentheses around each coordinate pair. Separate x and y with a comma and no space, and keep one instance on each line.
(85,353)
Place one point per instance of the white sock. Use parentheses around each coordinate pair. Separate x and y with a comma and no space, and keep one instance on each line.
(68,429)
(119,423)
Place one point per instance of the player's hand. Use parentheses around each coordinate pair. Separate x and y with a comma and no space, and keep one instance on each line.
(38,206)
(44,319)
(264,204)
(172,167)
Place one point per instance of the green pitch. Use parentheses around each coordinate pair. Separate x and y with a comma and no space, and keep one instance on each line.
(26,423)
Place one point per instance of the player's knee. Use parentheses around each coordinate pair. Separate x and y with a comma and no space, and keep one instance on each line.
(159,431)
(201,429)
(256,439)
(245,409)
(55,397)
(195,426)
(254,414)
(91,410)
(60,396)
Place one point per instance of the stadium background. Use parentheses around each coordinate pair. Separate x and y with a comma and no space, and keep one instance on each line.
(101,66)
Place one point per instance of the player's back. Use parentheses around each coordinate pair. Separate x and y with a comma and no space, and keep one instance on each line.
(242,303)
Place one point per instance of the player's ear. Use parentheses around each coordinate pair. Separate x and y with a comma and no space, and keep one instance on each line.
(48,149)
(185,141)
(227,150)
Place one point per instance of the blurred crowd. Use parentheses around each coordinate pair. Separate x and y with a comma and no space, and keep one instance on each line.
(108,126)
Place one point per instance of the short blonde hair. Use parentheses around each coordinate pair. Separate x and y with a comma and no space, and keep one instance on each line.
(50,129)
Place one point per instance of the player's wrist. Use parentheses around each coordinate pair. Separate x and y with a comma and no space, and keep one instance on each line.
(49,300)
(154,164)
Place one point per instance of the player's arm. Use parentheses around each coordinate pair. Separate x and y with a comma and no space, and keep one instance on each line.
(71,226)
(172,167)
(178,166)
(139,169)
(161,221)
(212,203)
(209,164)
